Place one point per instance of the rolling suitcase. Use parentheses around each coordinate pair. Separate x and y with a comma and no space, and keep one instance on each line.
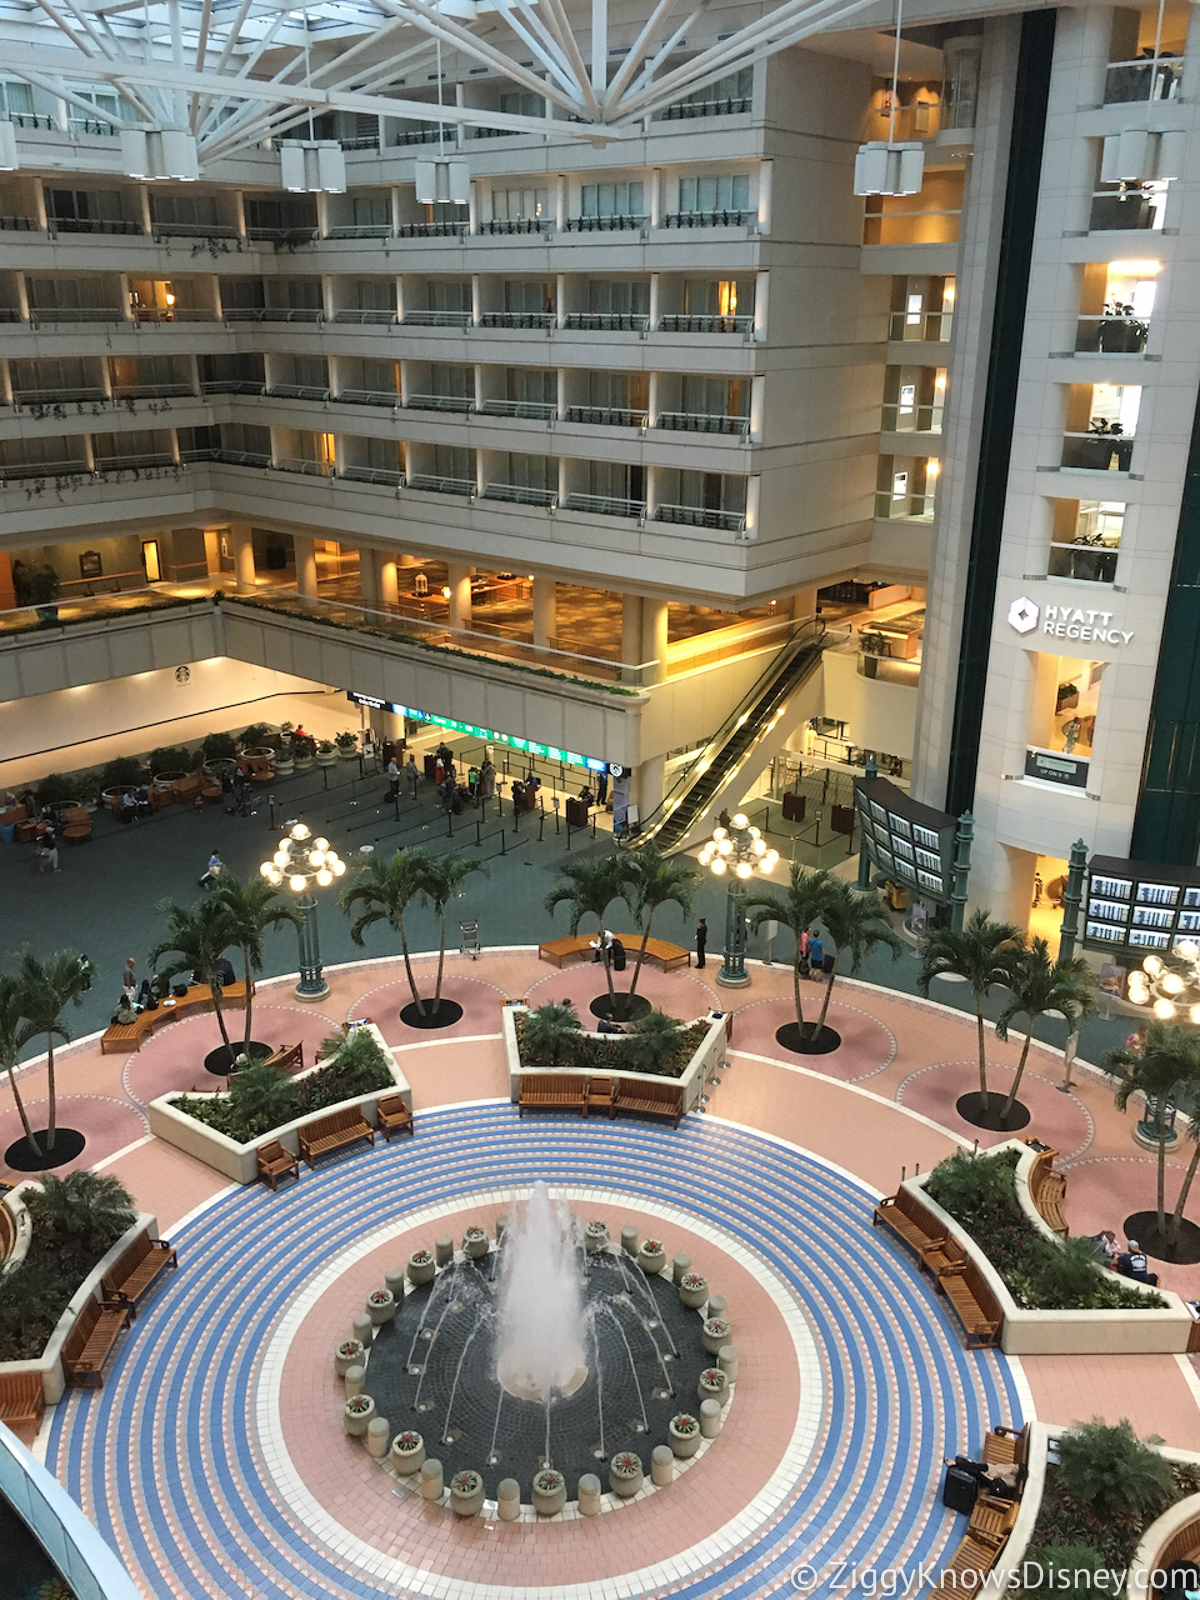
(959,1490)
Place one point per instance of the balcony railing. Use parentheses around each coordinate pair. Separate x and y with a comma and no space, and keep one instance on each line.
(19,225)
(603,505)
(369,397)
(1085,563)
(173,313)
(151,391)
(283,235)
(1133,208)
(432,484)
(76,314)
(1153,79)
(517,225)
(376,317)
(369,141)
(437,319)
(528,410)
(702,422)
(79,126)
(364,230)
(18,471)
(930,326)
(622,222)
(233,386)
(608,321)
(516,319)
(520,494)
(193,230)
(271,314)
(440,402)
(90,225)
(229,458)
(56,397)
(1097,452)
(909,507)
(608,416)
(708,219)
(684,110)
(391,476)
(695,323)
(1111,335)
(297,391)
(422,136)
(433,230)
(157,458)
(911,419)
(701,517)
(301,464)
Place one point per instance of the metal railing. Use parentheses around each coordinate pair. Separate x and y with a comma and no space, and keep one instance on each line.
(528,410)
(424,135)
(377,318)
(608,321)
(1153,78)
(932,327)
(702,422)
(18,471)
(56,397)
(617,222)
(302,235)
(19,225)
(521,494)
(432,484)
(689,322)
(896,418)
(603,505)
(369,141)
(193,230)
(440,402)
(91,125)
(90,225)
(369,397)
(433,230)
(516,319)
(909,507)
(1130,208)
(1085,563)
(233,386)
(173,313)
(151,391)
(516,225)
(436,319)
(230,458)
(684,110)
(702,517)
(1111,335)
(365,230)
(271,314)
(608,416)
(393,477)
(157,458)
(708,219)
(305,467)
(298,391)
(1098,452)
(39,314)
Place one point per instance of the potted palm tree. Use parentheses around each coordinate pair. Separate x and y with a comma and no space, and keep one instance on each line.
(588,888)
(1039,985)
(304,751)
(654,881)
(549,1034)
(385,890)
(981,955)
(857,927)
(347,745)
(799,907)
(1166,1066)
(327,753)
(196,941)
(46,988)
(654,1040)
(252,907)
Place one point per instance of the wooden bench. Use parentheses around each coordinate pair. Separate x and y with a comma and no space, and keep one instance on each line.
(89,1343)
(76,823)
(964,1574)
(22,1400)
(992,1518)
(1182,1546)
(1048,1190)
(185,789)
(128,1036)
(393,1116)
(288,1058)
(911,1220)
(552,1091)
(1005,1447)
(974,1304)
(137,1270)
(656,1097)
(275,1162)
(579,947)
(943,1256)
(339,1128)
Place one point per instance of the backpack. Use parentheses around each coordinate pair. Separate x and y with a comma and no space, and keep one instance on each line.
(617,956)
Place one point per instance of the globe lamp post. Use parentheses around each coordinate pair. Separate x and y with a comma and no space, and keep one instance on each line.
(734,853)
(302,862)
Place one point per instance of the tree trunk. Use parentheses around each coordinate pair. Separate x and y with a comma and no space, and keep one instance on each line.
(412,982)
(825,1002)
(437,993)
(1177,1214)
(796,991)
(1012,1093)
(51,1094)
(246,972)
(637,966)
(1162,1168)
(32,1142)
(983,1088)
(220,1015)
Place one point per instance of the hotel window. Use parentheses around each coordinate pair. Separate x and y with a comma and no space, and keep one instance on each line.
(1115,307)
(1101,426)
(1085,540)
(613,199)
(711,193)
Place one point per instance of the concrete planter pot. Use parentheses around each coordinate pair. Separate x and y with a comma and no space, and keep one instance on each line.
(284,766)
(713,1385)
(683,1435)
(475,1243)
(716,1335)
(652,1256)
(407,1454)
(549,1492)
(693,1290)
(350,1353)
(357,1414)
(595,1236)
(305,763)
(625,1474)
(327,758)
(466,1494)
(348,752)
(381,1306)
(421,1267)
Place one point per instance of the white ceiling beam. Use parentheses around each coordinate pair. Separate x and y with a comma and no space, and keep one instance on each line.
(561,23)
(641,45)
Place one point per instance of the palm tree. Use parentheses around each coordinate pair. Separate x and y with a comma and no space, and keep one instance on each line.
(197,939)
(46,989)
(652,1043)
(253,907)
(442,879)
(1039,985)
(1169,1057)
(656,880)
(855,924)
(85,1213)
(548,1030)
(385,889)
(800,906)
(15,1034)
(982,954)
(589,887)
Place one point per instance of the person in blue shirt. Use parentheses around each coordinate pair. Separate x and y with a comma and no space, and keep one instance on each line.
(816,954)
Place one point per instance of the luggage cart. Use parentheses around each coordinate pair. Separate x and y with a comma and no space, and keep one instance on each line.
(468,939)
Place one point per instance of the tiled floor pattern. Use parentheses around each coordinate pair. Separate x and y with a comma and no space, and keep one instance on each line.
(169,1460)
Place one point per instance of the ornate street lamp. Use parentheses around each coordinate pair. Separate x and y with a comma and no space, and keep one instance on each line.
(735,852)
(300,862)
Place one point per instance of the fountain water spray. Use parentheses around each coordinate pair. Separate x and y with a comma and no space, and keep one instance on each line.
(540,1346)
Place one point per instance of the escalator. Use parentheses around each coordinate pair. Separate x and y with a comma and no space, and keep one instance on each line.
(689,802)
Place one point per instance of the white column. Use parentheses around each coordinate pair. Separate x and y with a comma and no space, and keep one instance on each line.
(212,552)
(652,401)
(545,598)
(765,176)
(804,604)
(560,300)
(656,186)
(654,639)
(397,216)
(655,298)
(239,213)
(631,629)
(560,202)
(476,298)
(459,580)
(144,204)
(753,495)
(389,584)
(473,208)
(649,785)
(5,383)
(306,566)
(243,554)
(758,397)
(368,577)
(760,306)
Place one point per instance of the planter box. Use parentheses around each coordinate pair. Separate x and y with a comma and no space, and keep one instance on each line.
(1066,1333)
(708,1057)
(239,1162)
(49,1364)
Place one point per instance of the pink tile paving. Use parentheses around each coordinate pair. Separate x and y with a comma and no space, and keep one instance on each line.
(172,1058)
(108,1123)
(867,1047)
(1059,1120)
(479,999)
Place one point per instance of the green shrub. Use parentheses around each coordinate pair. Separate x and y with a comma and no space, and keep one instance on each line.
(1108,1469)
(219,747)
(250,738)
(303,746)
(1059,1564)
(171,758)
(120,772)
(551,1034)
(57,787)
(974,1187)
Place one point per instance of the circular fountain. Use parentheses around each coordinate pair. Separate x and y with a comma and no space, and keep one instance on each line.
(542,1353)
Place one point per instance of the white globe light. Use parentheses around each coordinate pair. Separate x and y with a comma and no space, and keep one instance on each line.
(741,820)
(1172,983)
(266,869)
(719,833)
(769,860)
(756,833)
(1153,965)
(324,877)
(281,858)
(760,847)
(726,847)
(338,868)
(276,876)
(317,857)
(718,865)
(744,869)
(1194,1014)
(1188,949)
(296,883)
(320,844)
(1138,990)
(1164,1010)
(301,831)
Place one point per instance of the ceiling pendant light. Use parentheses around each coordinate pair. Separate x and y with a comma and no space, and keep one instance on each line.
(159,153)
(316,166)
(9,160)
(887,166)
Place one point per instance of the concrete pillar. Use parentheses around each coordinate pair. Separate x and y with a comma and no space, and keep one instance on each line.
(405,560)
(804,604)
(368,578)
(459,580)
(654,639)
(631,629)
(545,596)
(389,583)
(212,551)
(649,781)
(306,566)
(243,554)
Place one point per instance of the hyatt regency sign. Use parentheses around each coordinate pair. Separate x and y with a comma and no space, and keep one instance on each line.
(1066,622)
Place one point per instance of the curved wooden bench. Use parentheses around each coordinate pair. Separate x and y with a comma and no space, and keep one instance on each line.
(137,1270)
(1048,1190)
(911,1221)
(89,1343)
(129,1036)
(578,946)
(22,1400)
(969,1293)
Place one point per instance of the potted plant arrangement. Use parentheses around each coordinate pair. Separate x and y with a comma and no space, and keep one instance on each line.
(549,1492)
(347,745)
(683,1434)
(466,1494)
(251,740)
(652,1256)
(625,1474)
(218,747)
(408,1453)
(356,1415)
(475,1241)
(713,1385)
(37,586)
(350,1353)
(716,1334)
(693,1290)
(421,1267)
(595,1236)
(304,751)
(327,753)
(284,760)
(381,1306)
